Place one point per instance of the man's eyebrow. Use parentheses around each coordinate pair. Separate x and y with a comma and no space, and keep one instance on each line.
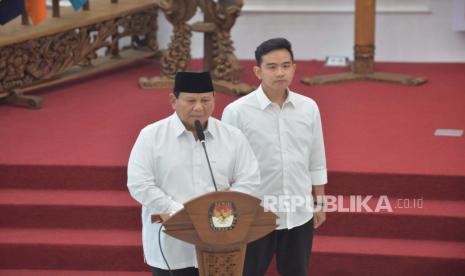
(275,63)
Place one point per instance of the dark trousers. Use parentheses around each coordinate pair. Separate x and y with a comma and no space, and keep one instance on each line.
(189,271)
(292,247)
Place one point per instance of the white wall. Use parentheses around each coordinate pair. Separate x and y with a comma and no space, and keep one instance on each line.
(406,30)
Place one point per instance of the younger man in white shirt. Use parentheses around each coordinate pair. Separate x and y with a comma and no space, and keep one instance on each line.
(284,130)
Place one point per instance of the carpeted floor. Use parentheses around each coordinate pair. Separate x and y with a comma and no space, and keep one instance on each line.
(65,207)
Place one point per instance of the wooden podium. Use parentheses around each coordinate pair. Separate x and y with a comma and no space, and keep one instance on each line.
(220,224)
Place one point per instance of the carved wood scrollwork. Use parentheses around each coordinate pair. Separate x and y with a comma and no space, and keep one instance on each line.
(225,264)
(141,27)
(37,60)
(220,17)
(223,14)
(178,55)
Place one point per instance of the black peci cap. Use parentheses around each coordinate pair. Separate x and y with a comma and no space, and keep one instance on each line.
(192,82)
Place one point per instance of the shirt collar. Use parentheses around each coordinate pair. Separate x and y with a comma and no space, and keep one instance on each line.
(179,127)
(211,130)
(291,98)
(264,101)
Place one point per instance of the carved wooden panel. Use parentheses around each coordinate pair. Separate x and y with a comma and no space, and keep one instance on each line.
(39,59)
(219,57)
(224,264)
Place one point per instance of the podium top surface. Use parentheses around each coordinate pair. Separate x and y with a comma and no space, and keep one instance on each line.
(221,220)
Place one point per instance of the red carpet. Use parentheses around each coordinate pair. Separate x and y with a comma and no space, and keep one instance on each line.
(65,206)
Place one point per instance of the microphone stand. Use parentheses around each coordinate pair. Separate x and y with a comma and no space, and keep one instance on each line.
(201,136)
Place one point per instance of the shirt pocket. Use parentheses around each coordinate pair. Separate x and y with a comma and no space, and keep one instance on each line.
(222,170)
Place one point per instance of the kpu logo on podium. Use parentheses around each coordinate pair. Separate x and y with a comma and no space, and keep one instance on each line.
(222,215)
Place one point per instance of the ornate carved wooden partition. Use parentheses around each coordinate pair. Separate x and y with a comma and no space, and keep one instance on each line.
(364,53)
(219,57)
(64,46)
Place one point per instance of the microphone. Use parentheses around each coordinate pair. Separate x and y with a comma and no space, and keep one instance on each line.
(199,131)
(201,136)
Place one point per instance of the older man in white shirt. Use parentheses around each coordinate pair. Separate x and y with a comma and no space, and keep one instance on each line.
(284,130)
(168,167)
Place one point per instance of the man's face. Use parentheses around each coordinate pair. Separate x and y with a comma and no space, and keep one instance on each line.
(193,106)
(276,70)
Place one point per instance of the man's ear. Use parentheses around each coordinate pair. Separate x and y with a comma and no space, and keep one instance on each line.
(257,71)
(173,101)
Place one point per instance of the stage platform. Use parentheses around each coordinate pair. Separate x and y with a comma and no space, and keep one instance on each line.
(368,127)
(379,141)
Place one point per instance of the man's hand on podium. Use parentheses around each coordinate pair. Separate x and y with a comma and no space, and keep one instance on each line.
(160,218)
(164,217)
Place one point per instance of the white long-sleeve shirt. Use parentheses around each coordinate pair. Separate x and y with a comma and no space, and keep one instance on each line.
(288,144)
(167,167)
